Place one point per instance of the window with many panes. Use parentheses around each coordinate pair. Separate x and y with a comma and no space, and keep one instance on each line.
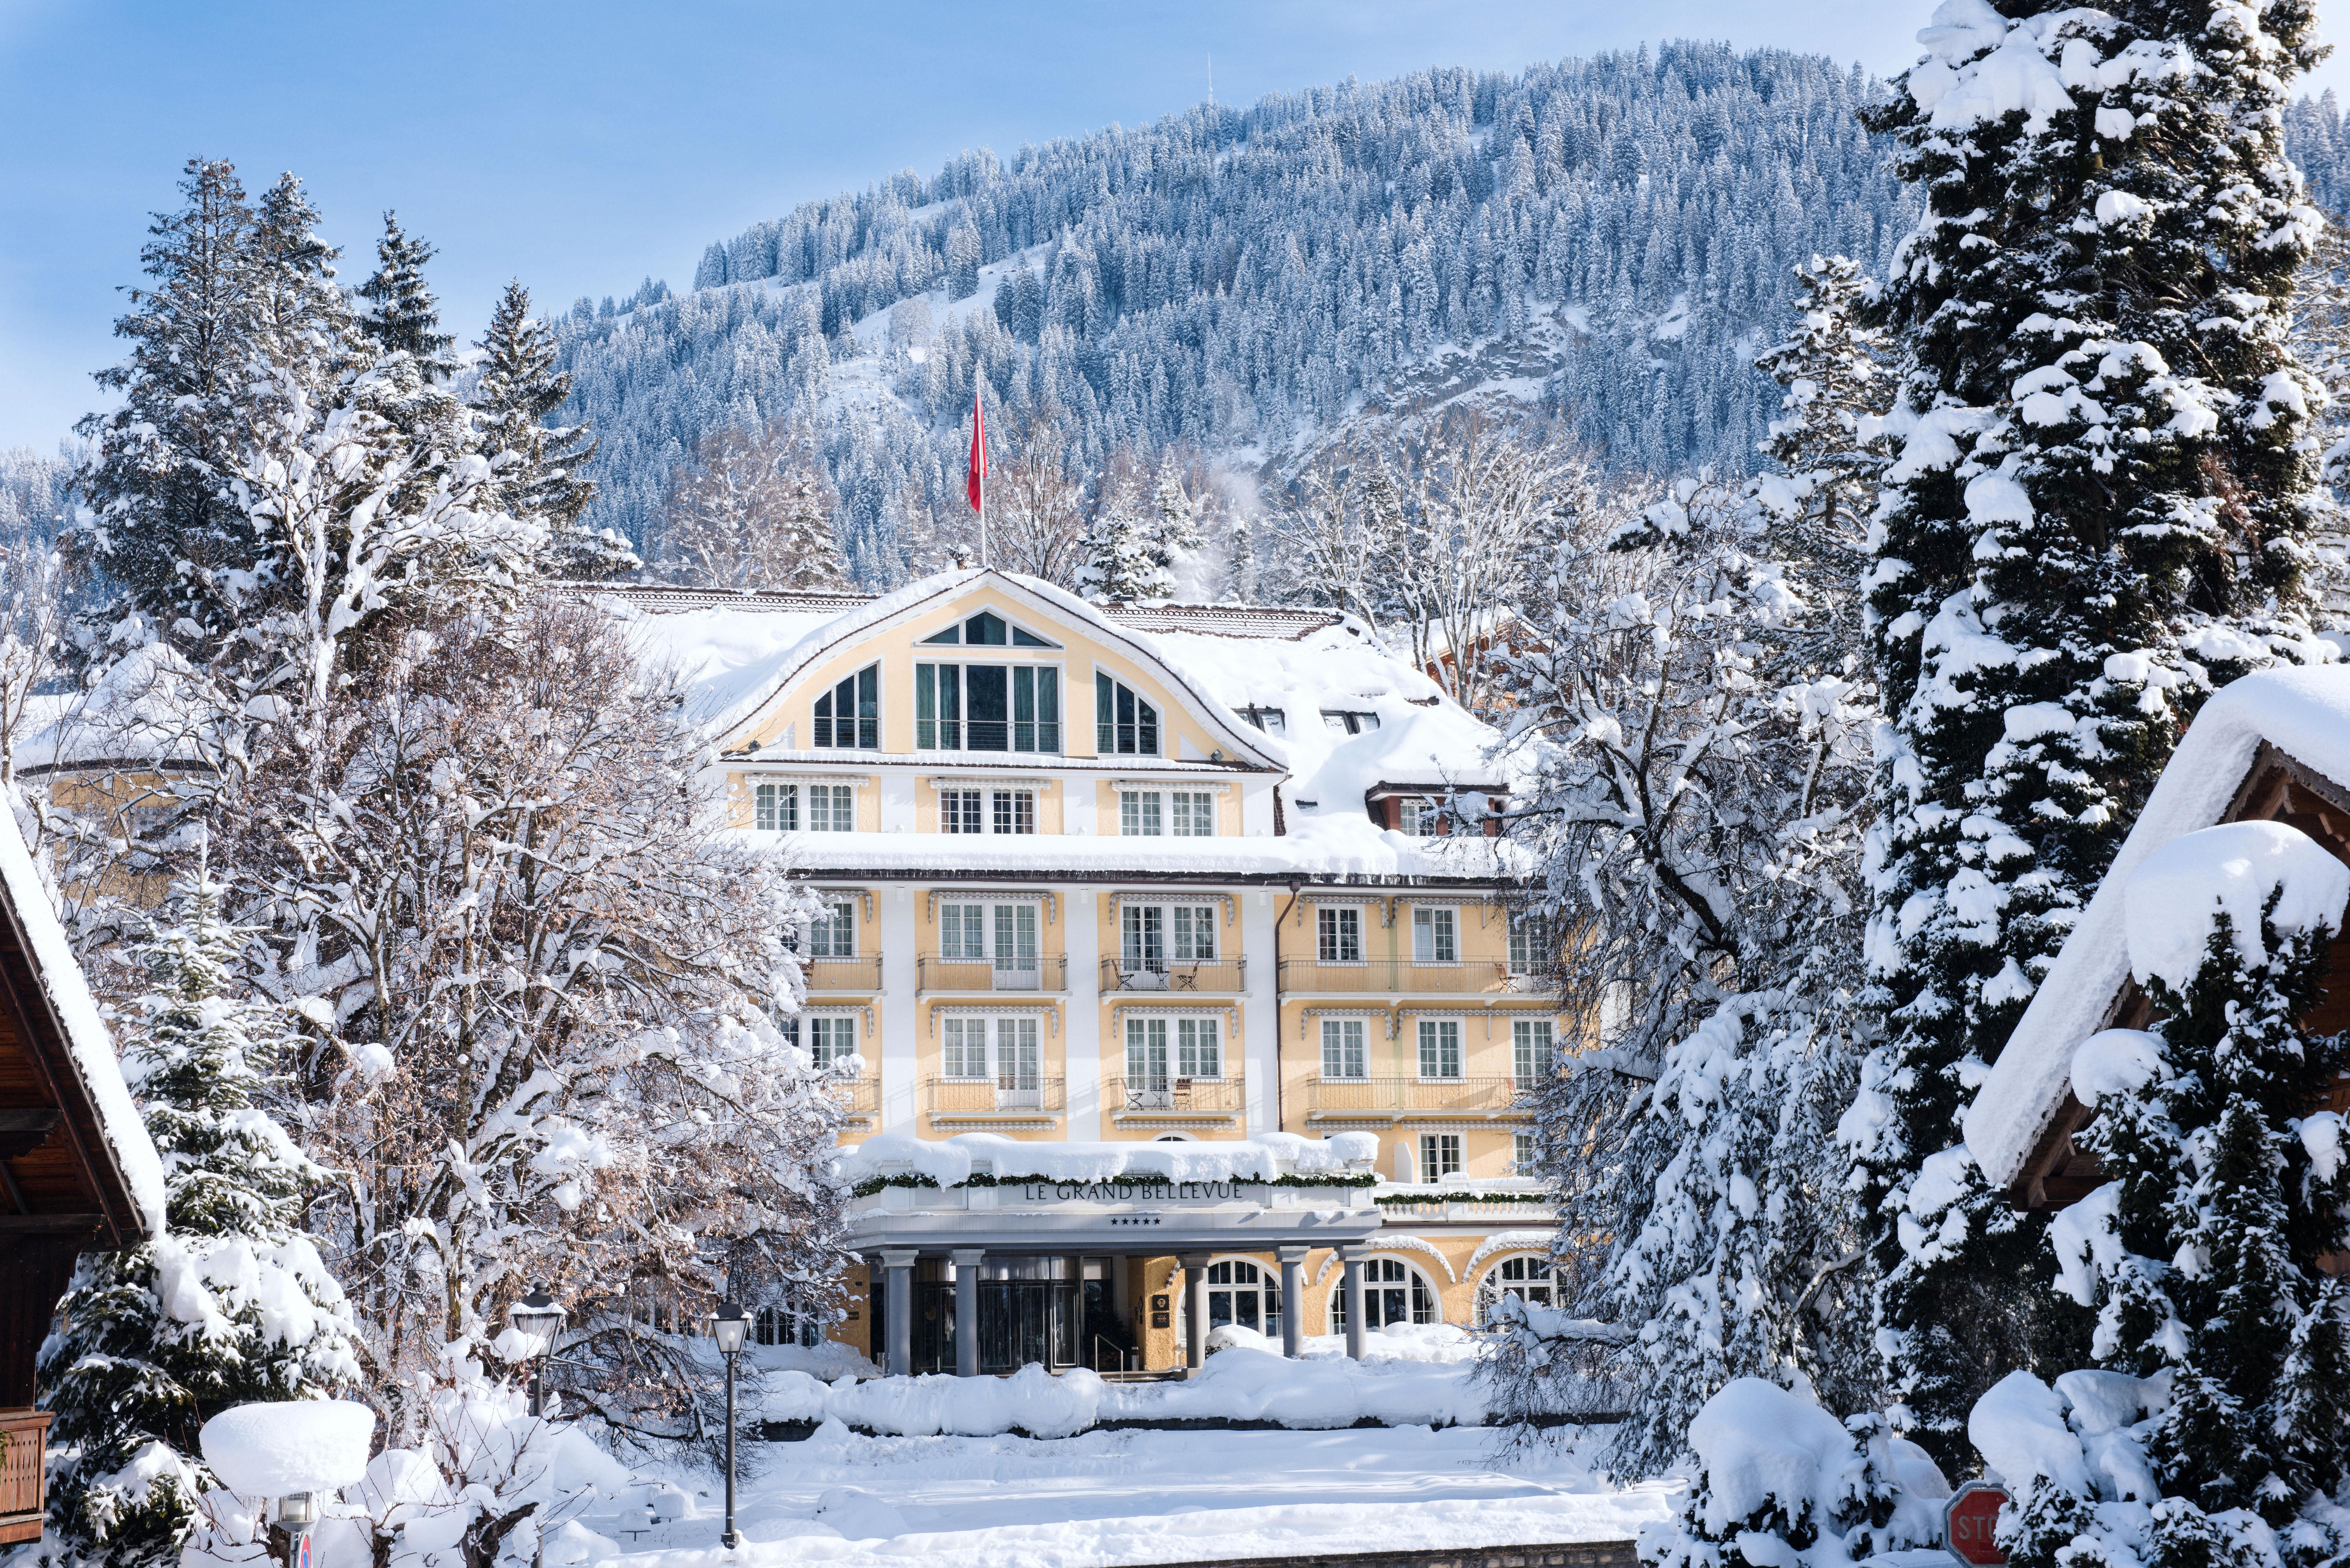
(987,708)
(1522,1154)
(1152,936)
(1001,1048)
(1532,1058)
(1530,945)
(1191,814)
(1182,1047)
(987,811)
(1139,814)
(1342,1048)
(1001,935)
(833,933)
(775,807)
(1124,723)
(1419,817)
(1531,1278)
(1393,1292)
(1440,1047)
(1339,934)
(1439,1155)
(831,1038)
(849,715)
(1435,935)
(832,808)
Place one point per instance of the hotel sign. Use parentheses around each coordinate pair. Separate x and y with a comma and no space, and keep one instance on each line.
(1145,1190)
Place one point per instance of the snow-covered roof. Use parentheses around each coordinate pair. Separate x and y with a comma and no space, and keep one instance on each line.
(89,1052)
(948,1160)
(2304,714)
(735,650)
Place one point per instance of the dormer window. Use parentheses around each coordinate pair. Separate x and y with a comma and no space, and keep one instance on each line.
(1271,721)
(1349,721)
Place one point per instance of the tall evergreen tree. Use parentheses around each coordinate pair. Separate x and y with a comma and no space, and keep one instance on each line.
(401,313)
(2206,1253)
(537,466)
(2097,510)
(230,1305)
(160,516)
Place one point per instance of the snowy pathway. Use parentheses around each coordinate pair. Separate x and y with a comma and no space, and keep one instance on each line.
(1138,1497)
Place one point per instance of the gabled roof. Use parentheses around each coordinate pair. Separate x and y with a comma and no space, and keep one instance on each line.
(91,1171)
(2304,715)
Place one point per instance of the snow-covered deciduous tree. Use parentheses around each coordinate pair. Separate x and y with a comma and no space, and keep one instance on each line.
(2222,1338)
(1696,797)
(549,1002)
(1035,506)
(230,1304)
(752,511)
(1431,532)
(2103,483)
(537,469)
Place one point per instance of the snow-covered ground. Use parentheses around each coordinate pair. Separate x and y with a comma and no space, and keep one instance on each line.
(1106,1499)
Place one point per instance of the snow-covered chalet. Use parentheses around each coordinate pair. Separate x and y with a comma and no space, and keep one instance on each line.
(2271,747)
(1169,953)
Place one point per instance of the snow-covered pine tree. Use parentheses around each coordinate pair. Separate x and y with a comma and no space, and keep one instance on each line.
(2222,1343)
(1782,1482)
(1824,440)
(401,315)
(230,1305)
(1124,562)
(2097,510)
(1175,520)
(158,516)
(537,467)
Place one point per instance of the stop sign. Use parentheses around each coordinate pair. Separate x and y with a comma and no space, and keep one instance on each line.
(1967,1521)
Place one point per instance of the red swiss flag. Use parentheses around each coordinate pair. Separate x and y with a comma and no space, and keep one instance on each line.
(975,481)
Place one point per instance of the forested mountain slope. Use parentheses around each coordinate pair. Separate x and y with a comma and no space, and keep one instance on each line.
(1615,234)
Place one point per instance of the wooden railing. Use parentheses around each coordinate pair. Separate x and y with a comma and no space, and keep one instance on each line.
(1033,975)
(1223,977)
(1401,1097)
(26,1434)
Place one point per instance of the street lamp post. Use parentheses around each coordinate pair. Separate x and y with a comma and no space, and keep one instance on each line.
(540,1316)
(730,1326)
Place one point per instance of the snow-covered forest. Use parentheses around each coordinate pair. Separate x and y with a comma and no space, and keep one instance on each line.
(1241,279)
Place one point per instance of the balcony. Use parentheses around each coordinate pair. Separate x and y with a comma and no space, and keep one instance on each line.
(1029,974)
(1017,1100)
(1161,1099)
(1393,1099)
(835,976)
(1471,977)
(1226,978)
(858,1098)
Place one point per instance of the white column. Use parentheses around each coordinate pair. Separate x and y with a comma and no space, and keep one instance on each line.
(898,1308)
(1261,1012)
(1195,1312)
(967,1262)
(1082,1018)
(1352,1258)
(898,911)
(898,797)
(1293,1300)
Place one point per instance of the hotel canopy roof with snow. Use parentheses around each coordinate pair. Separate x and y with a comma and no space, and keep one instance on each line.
(2269,748)
(1167,951)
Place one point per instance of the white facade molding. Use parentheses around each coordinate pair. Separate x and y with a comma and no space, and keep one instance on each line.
(1117,900)
(1046,896)
(988,781)
(1193,785)
(1306,1018)
(1052,1015)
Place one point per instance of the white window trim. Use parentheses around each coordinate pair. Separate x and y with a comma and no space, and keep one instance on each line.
(1226,1020)
(1432,905)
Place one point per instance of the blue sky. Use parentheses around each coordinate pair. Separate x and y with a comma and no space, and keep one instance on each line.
(583,146)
